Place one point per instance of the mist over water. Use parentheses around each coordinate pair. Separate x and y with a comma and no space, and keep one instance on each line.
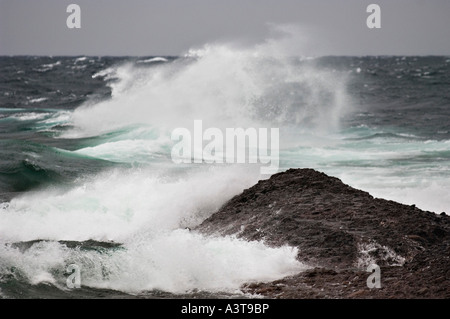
(223,86)
(103,171)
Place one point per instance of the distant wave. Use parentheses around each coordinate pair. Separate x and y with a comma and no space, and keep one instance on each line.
(152,60)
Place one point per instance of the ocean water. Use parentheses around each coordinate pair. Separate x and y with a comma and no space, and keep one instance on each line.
(85,155)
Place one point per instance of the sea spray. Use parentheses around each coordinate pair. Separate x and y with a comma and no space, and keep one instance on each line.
(224,87)
(104,171)
(147,204)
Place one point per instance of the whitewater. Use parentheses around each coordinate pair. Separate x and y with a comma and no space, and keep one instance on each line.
(100,168)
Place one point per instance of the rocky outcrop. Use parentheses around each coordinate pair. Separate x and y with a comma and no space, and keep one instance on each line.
(339,231)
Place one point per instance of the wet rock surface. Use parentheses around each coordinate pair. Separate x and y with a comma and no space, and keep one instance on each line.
(339,231)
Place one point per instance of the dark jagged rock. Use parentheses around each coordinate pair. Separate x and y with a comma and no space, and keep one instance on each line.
(339,230)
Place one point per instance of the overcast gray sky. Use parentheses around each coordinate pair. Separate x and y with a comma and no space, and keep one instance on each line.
(170,27)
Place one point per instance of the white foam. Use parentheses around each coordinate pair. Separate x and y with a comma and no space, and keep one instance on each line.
(104,73)
(58,117)
(119,203)
(177,261)
(48,67)
(37,100)
(374,253)
(146,211)
(152,60)
(35,264)
(81,59)
(51,65)
(30,116)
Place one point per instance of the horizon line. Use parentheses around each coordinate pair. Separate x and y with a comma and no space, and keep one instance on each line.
(178,56)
